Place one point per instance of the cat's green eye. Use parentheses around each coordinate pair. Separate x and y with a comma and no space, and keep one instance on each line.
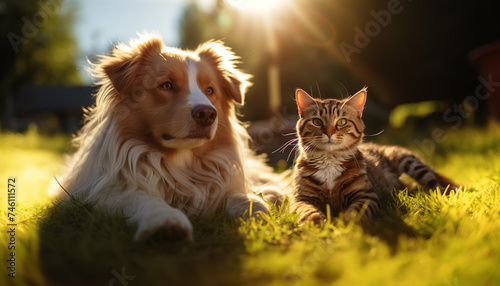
(341,122)
(317,122)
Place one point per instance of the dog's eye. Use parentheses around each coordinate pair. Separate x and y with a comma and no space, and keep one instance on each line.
(167,86)
(210,91)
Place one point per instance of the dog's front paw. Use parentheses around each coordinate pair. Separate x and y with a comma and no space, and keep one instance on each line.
(258,207)
(272,194)
(168,224)
(244,204)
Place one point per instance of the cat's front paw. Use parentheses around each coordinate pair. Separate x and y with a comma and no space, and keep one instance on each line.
(168,224)
(349,215)
(353,215)
(316,217)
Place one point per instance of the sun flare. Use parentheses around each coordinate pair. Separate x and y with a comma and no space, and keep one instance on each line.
(257,6)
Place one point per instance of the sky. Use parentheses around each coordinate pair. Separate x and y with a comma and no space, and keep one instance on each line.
(101,23)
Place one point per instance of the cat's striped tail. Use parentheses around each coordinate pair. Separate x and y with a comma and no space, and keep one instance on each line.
(413,166)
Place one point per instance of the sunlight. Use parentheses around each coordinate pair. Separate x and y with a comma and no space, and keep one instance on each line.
(267,13)
(258,6)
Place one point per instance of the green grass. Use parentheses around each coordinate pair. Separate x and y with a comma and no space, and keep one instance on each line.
(418,239)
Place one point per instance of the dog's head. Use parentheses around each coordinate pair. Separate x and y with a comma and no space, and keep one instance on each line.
(171,98)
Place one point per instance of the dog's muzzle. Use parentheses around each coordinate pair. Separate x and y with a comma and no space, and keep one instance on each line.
(204,115)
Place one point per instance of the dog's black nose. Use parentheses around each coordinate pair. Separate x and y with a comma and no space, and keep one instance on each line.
(204,115)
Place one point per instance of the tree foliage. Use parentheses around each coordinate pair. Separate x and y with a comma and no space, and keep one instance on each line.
(37,46)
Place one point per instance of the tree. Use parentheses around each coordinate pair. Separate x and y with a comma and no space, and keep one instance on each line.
(37,45)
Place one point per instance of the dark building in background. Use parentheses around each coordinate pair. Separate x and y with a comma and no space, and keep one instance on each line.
(53,109)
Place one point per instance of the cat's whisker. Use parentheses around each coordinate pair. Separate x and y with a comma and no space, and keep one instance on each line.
(353,155)
(284,146)
(319,91)
(345,88)
(295,148)
(308,146)
(376,134)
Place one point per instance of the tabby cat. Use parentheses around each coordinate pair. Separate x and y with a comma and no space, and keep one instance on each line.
(334,167)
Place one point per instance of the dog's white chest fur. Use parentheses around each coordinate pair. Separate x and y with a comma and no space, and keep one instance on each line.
(329,169)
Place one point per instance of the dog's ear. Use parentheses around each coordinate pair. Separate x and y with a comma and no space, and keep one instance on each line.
(122,65)
(222,58)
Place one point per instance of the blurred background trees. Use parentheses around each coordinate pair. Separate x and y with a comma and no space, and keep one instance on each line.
(37,45)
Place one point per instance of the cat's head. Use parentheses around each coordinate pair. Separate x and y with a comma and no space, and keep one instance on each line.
(330,125)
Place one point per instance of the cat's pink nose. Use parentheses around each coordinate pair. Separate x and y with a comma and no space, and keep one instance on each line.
(329,131)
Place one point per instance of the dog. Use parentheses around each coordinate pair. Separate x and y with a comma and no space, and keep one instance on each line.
(163,141)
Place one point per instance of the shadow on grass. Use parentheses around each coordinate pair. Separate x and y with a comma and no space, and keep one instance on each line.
(81,245)
(389,224)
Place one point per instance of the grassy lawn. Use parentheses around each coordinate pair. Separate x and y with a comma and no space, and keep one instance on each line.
(418,239)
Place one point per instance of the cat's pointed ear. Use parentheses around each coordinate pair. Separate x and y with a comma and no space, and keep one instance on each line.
(303,100)
(358,101)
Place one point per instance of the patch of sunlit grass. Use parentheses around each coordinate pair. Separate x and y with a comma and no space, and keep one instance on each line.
(33,160)
(402,112)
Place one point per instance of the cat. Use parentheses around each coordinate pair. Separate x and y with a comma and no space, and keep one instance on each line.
(334,167)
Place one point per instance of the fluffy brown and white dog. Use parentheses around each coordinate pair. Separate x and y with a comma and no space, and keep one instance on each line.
(163,141)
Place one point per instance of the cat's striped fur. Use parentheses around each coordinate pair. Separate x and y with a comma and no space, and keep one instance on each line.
(334,167)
